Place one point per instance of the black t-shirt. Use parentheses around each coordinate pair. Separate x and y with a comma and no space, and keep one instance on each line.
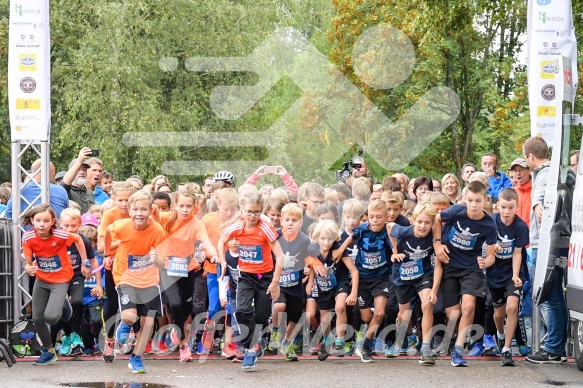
(75,257)
(511,237)
(295,253)
(336,271)
(417,252)
(232,269)
(307,221)
(464,236)
(402,220)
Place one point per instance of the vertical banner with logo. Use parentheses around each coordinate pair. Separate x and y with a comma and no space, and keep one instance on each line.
(29,70)
(550,36)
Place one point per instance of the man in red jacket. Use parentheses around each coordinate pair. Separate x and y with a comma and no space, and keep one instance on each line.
(521,174)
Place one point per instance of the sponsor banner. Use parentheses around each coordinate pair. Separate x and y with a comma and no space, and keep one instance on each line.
(551,79)
(29,72)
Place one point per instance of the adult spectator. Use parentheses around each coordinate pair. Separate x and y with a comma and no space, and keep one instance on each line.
(521,174)
(436,185)
(450,186)
(226,177)
(207,186)
(536,153)
(403,181)
(94,174)
(421,186)
(498,180)
(59,177)
(159,181)
(574,161)
(288,180)
(467,170)
(359,169)
(30,191)
(392,184)
(75,181)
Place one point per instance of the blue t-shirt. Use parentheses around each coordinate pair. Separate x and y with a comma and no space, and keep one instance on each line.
(58,197)
(418,251)
(90,284)
(374,251)
(511,237)
(464,236)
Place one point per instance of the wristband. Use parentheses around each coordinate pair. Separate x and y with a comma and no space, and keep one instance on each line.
(436,240)
(87,263)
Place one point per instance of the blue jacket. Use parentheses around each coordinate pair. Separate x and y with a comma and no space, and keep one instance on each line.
(100,195)
(498,184)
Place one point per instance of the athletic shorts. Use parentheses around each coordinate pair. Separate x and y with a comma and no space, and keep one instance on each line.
(294,305)
(369,288)
(462,281)
(500,295)
(327,299)
(143,300)
(406,292)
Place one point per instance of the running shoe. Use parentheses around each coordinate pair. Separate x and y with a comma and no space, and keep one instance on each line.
(544,357)
(338,349)
(136,364)
(239,357)
(249,360)
(109,352)
(66,345)
(392,351)
(477,350)
(122,333)
(185,354)
(201,350)
(323,352)
(364,354)
(379,346)
(229,350)
(507,359)
(457,359)
(46,358)
(274,341)
(288,353)
(427,357)
(208,335)
(490,346)
(348,348)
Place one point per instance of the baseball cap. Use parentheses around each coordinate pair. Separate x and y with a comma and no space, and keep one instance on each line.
(519,162)
(60,175)
(358,160)
(89,219)
(73,162)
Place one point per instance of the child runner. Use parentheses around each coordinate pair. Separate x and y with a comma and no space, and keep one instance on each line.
(373,270)
(413,274)
(45,254)
(314,197)
(135,272)
(258,281)
(505,276)
(336,289)
(272,210)
(458,245)
(184,229)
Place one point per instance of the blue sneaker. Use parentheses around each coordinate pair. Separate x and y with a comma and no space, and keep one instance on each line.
(392,351)
(524,350)
(66,347)
(201,350)
(457,359)
(136,364)
(476,351)
(379,347)
(490,346)
(122,333)
(67,311)
(249,360)
(46,358)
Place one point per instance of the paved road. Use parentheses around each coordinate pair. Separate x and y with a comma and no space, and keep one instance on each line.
(348,372)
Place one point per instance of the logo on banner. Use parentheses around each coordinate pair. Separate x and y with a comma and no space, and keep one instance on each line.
(27,62)
(545,125)
(546,111)
(28,85)
(548,92)
(28,103)
(20,10)
(568,77)
(544,2)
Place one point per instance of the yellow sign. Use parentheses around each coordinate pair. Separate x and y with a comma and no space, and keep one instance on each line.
(546,111)
(28,103)
(547,69)
(27,62)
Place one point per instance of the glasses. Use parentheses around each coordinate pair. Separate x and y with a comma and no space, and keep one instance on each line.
(316,203)
(255,213)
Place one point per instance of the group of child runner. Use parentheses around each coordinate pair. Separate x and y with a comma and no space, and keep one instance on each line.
(275,273)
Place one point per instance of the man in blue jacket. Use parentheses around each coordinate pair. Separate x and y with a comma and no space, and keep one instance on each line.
(498,180)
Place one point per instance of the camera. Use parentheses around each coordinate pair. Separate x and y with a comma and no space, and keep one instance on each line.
(341,175)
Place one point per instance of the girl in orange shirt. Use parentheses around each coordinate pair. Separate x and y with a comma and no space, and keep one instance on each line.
(45,253)
(258,280)
(183,229)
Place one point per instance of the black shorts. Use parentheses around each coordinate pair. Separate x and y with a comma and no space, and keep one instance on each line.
(500,295)
(462,281)
(143,300)
(369,288)
(327,299)
(294,304)
(411,288)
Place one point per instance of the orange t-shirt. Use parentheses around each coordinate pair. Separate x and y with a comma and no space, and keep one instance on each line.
(109,217)
(181,241)
(132,264)
(54,265)
(254,246)
(212,222)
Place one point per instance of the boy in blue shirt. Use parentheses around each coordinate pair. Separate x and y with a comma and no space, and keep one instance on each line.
(505,278)
(458,245)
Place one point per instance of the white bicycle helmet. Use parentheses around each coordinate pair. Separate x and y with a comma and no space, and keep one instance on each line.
(224,176)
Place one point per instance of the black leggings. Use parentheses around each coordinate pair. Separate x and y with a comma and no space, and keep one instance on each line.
(179,293)
(112,305)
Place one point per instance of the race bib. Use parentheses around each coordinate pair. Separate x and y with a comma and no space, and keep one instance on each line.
(411,269)
(75,260)
(92,283)
(372,260)
(461,240)
(315,290)
(177,266)
(289,278)
(199,255)
(139,262)
(251,254)
(326,283)
(49,264)
(507,249)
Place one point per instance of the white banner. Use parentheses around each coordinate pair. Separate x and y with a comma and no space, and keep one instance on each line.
(550,36)
(29,70)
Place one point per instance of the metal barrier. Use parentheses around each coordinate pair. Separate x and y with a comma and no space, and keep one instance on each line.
(6,278)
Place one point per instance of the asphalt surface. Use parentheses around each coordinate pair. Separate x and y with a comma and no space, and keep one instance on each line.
(308,372)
